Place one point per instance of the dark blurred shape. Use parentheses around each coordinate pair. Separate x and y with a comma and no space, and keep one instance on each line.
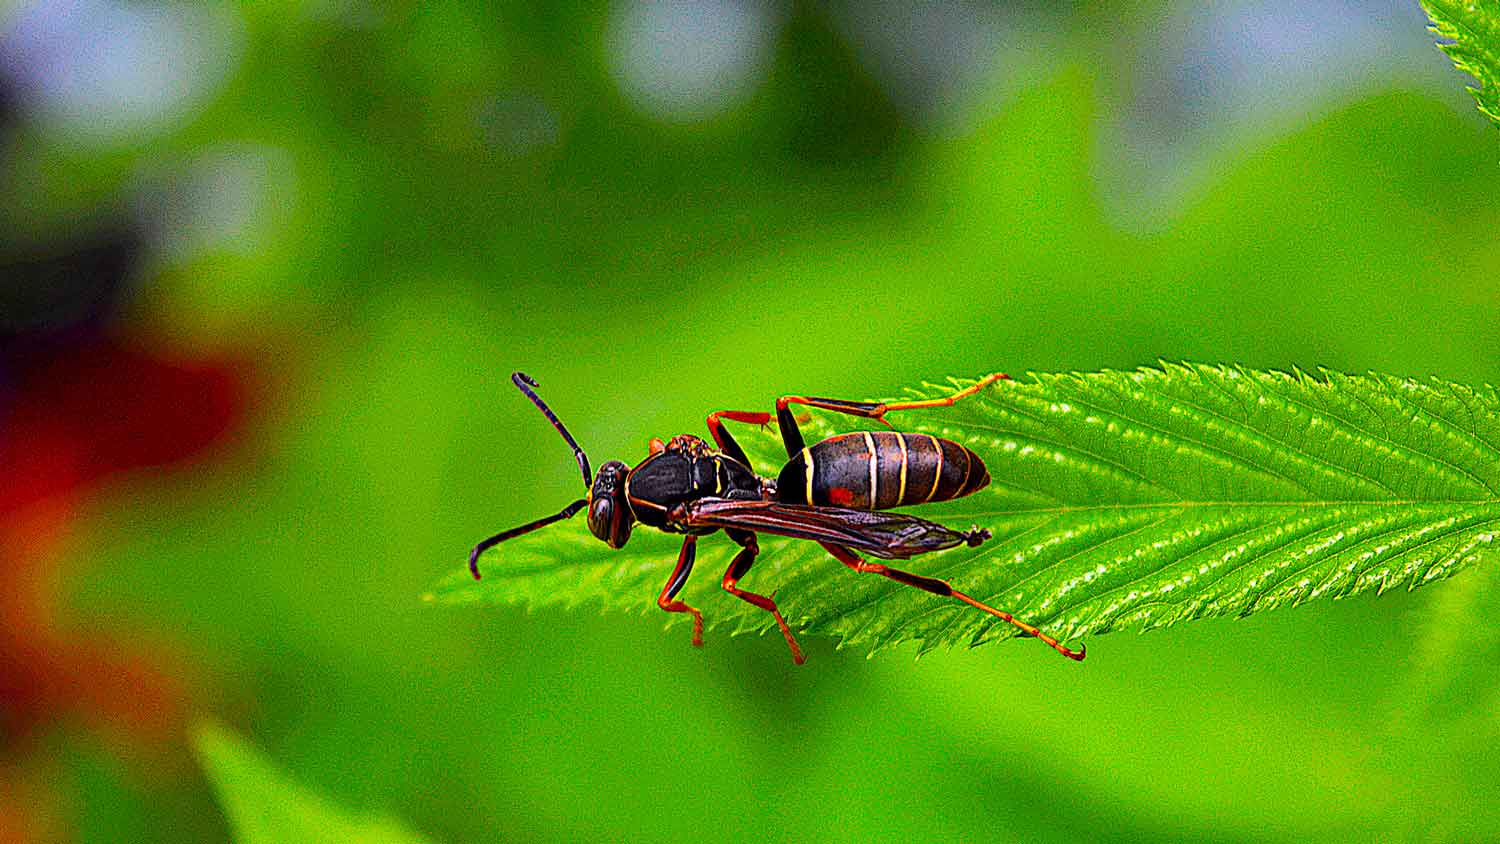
(58,292)
(81,401)
(55,298)
(7,106)
(938,61)
(842,115)
(104,408)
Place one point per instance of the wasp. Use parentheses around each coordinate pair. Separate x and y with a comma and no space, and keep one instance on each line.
(836,492)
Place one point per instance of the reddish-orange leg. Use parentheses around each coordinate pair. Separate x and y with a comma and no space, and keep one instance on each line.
(726,442)
(667,599)
(941,587)
(737,569)
(792,436)
(746,557)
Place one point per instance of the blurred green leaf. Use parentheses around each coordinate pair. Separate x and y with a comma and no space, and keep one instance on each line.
(1119,500)
(266,807)
(1474,27)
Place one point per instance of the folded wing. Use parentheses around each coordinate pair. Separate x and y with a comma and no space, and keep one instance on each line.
(891,536)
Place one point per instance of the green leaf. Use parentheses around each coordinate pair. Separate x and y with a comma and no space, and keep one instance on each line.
(266,807)
(1119,500)
(1473,27)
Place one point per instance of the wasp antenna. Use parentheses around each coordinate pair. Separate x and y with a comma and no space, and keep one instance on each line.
(524,383)
(567,513)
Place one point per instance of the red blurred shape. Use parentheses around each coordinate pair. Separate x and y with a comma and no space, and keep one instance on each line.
(122,408)
(75,419)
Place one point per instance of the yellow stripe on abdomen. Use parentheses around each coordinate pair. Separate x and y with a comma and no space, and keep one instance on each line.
(901,495)
(874,482)
(807,459)
(937,473)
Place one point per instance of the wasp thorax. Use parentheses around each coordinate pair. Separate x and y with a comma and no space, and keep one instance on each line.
(610,517)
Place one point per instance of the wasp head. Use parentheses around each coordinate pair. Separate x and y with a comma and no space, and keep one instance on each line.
(610,517)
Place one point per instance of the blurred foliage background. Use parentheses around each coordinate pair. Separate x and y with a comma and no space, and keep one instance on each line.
(265,267)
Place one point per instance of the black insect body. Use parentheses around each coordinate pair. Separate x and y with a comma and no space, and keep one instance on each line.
(685,470)
(836,492)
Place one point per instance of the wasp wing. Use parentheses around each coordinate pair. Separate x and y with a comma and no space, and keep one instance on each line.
(891,536)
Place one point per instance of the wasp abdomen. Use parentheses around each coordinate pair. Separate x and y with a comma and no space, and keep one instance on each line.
(878,470)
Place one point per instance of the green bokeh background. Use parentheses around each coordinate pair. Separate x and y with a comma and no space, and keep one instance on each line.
(813,237)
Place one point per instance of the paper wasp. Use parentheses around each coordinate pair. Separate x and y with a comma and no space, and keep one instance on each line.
(834,492)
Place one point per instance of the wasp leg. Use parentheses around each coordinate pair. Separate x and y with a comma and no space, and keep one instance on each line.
(722,436)
(941,587)
(666,600)
(737,569)
(865,409)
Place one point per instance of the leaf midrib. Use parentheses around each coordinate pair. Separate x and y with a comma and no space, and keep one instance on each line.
(1228,504)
